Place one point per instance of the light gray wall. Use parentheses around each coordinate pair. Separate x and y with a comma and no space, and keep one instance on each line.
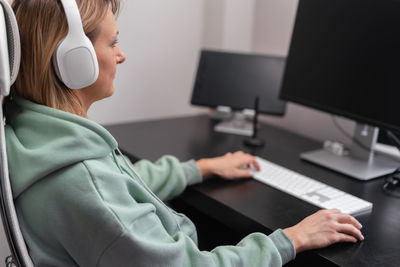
(161,40)
(213,24)
(228,25)
(238,25)
(273,24)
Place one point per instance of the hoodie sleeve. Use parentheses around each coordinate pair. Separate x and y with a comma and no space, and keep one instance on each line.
(144,240)
(167,177)
(150,245)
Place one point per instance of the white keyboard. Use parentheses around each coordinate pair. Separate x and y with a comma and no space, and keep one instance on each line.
(307,189)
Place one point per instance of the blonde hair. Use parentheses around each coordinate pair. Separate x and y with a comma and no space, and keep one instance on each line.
(42,25)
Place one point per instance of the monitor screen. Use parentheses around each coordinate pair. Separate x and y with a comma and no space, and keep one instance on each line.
(234,80)
(344,59)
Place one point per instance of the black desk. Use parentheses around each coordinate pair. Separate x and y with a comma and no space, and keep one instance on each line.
(247,205)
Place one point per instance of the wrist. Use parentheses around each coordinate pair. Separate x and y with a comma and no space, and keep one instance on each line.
(296,239)
(204,166)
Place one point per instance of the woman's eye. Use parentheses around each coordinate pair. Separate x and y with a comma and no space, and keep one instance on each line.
(115,42)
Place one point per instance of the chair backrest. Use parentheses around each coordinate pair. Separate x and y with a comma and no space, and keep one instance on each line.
(9,66)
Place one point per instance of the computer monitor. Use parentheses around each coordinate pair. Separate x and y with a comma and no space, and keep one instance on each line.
(344,59)
(235,79)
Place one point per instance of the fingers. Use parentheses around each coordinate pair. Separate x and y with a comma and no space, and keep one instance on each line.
(246,159)
(345,218)
(350,230)
(344,225)
(256,165)
(345,238)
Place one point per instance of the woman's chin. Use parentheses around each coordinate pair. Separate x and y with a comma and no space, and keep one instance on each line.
(111,92)
(108,93)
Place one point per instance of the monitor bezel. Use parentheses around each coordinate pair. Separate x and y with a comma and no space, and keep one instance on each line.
(236,108)
(337,112)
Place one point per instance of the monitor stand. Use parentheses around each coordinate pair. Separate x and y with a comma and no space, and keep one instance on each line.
(361,162)
(237,125)
(221,113)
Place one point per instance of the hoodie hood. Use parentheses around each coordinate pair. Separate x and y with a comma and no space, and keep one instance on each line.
(41,140)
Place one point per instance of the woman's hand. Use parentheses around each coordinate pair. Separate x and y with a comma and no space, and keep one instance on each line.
(324,228)
(230,166)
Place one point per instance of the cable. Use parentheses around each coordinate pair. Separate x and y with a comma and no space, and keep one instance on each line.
(349,136)
(393,139)
(392,182)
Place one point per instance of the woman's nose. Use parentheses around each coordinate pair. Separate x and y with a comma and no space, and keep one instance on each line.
(120,56)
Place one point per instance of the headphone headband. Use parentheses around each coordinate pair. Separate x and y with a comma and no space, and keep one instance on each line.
(73,17)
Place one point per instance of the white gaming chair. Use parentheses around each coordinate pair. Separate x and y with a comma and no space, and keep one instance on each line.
(9,65)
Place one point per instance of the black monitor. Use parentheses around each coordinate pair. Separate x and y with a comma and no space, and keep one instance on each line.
(344,59)
(235,79)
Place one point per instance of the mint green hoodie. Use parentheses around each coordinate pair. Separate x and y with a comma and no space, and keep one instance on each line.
(80,204)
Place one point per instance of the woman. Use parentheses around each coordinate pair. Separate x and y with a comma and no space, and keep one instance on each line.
(81,203)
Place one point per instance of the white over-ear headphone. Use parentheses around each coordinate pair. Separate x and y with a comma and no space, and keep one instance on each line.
(75,60)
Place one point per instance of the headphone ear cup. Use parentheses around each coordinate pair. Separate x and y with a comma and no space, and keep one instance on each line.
(76,62)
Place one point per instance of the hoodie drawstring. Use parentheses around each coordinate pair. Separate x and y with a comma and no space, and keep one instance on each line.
(116,161)
(137,176)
